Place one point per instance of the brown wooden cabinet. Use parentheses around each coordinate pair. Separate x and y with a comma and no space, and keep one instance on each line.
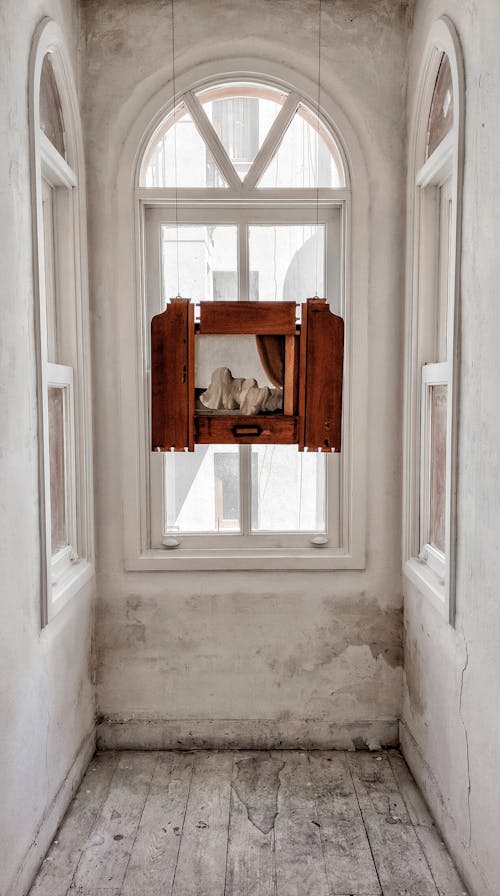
(309,356)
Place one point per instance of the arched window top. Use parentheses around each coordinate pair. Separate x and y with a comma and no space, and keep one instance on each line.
(246,133)
(441,111)
(437,120)
(51,117)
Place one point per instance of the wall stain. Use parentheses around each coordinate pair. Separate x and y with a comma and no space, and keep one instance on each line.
(413,676)
(353,622)
(256,785)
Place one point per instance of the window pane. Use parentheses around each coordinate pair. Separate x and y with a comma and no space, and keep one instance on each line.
(288,489)
(286,262)
(51,121)
(200,262)
(202,490)
(59,532)
(437,503)
(242,115)
(306,157)
(49,257)
(441,113)
(180,157)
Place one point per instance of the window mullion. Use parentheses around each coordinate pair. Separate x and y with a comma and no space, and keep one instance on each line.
(272,141)
(246,489)
(245,451)
(243,272)
(211,138)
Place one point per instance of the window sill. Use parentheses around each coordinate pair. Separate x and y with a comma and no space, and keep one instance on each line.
(323,558)
(69,585)
(429,584)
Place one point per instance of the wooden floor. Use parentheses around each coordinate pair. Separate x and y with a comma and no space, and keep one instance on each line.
(247,824)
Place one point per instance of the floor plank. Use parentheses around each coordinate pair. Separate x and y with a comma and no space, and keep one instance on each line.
(254,806)
(248,824)
(201,866)
(300,862)
(442,868)
(400,862)
(154,854)
(107,850)
(349,862)
(58,868)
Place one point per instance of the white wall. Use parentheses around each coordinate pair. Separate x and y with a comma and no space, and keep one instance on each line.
(244,657)
(451,730)
(46,699)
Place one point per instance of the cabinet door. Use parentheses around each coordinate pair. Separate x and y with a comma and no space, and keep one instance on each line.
(321,372)
(172,377)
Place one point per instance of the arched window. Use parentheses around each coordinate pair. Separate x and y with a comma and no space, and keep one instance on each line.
(62,324)
(244,190)
(435,209)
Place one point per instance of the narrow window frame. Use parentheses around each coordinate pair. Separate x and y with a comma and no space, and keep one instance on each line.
(422,566)
(64,575)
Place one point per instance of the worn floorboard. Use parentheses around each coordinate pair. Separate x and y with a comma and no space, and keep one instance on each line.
(280,823)
(56,874)
(349,861)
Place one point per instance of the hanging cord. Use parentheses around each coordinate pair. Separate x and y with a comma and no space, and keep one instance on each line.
(175,149)
(317,149)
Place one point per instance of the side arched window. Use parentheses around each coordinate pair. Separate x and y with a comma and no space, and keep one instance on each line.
(62,324)
(436,185)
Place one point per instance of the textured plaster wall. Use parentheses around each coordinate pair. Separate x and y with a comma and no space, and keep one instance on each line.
(46,699)
(451,733)
(253,657)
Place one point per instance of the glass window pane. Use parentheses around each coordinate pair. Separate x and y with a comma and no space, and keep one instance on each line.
(441,113)
(180,157)
(51,121)
(242,115)
(200,262)
(287,263)
(288,489)
(59,532)
(48,202)
(306,157)
(202,490)
(437,502)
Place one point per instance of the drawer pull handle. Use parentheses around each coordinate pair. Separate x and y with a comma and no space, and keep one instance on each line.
(240,429)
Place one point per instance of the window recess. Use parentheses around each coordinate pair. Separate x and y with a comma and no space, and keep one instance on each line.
(231,233)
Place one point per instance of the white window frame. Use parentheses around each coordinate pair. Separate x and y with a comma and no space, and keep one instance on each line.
(432,573)
(60,376)
(64,574)
(130,310)
(331,216)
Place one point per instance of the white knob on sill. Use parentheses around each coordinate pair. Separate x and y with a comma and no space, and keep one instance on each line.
(319,541)
(171,543)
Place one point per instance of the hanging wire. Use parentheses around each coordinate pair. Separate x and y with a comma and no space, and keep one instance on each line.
(318,242)
(175,149)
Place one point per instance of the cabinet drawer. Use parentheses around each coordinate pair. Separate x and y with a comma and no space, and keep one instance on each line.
(223,429)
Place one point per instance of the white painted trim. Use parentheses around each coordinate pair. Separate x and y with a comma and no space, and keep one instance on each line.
(139,120)
(66,174)
(52,817)
(422,175)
